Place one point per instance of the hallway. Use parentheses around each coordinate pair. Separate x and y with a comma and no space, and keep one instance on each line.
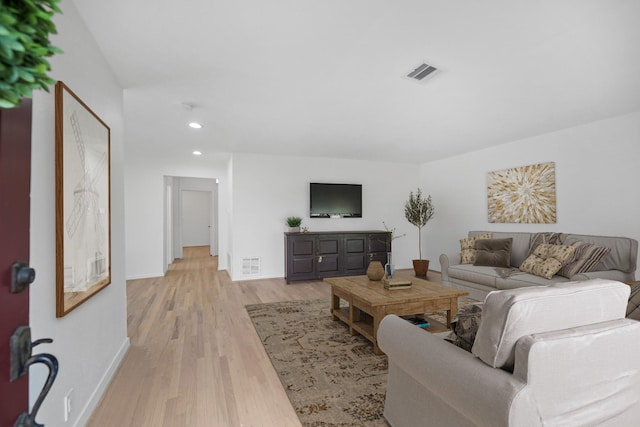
(195,359)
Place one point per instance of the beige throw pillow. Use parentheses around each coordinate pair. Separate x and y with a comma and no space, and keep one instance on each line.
(468,248)
(546,260)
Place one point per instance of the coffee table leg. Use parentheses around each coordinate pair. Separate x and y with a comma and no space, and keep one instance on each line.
(335,305)
(377,318)
(452,312)
(354,317)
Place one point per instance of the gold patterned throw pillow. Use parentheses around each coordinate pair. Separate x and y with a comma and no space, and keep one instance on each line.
(468,248)
(546,260)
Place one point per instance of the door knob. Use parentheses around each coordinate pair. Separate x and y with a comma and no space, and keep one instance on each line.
(21,276)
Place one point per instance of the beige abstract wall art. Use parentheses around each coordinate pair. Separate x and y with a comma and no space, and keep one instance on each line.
(525,194)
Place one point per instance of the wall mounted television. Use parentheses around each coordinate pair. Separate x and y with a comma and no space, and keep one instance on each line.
(335,200)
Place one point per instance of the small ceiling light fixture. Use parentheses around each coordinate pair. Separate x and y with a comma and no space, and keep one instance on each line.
(197,153)
(195,125)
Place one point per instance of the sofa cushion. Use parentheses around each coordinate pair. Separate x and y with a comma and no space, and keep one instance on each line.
(522,279)
(514,313)
(546,260)
(585,259)
(485,276)
(468,248)
(493,252)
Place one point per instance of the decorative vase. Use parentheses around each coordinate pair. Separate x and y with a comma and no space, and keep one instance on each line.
(420,267)
(375,271)
(294,229)
(388,267)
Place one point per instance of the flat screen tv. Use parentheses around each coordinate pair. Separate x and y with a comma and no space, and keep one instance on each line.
(335,200)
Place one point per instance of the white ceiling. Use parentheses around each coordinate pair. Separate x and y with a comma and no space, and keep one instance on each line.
(325,77)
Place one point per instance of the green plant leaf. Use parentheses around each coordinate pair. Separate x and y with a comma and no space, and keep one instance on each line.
(16,46)
(7,19)
(6,51)
(26,75)
(7,104)
(25,27)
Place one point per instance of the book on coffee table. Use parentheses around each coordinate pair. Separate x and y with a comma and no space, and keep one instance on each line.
(396,283)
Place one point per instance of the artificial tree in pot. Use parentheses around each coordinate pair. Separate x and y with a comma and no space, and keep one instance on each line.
(419,210)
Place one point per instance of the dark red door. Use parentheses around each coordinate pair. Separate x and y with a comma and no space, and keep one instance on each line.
(15,173)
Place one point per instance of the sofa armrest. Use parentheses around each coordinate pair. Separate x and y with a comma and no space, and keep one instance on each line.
(477,391)
(583,376)
(447,260)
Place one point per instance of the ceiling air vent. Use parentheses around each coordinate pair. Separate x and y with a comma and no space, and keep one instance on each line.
(421,72)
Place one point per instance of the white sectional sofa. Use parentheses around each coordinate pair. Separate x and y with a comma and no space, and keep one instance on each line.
(619,264)
(559,355)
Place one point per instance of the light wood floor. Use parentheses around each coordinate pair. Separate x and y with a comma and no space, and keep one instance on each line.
(195,359)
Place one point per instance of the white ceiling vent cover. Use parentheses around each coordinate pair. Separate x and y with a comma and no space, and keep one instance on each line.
(421,72)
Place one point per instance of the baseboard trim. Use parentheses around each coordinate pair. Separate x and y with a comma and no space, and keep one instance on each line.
(104,382)
(144,276)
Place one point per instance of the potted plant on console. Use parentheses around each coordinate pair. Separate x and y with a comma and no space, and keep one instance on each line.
(419,210)
(294,224)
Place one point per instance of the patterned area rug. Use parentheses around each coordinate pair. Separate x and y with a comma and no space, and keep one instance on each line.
(332,378)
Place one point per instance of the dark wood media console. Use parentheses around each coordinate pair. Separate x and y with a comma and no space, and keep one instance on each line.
(312,256)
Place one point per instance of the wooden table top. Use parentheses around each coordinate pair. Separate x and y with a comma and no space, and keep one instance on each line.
(375,294)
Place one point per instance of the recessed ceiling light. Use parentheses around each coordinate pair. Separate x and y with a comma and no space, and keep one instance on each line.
(195,125)
(197,153)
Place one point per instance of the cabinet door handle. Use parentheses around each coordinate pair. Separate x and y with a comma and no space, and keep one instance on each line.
(319,259)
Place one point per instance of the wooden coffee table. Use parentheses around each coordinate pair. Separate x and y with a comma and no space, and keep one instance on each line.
(364,295)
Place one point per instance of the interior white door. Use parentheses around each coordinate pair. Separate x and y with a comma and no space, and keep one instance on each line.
(196,218)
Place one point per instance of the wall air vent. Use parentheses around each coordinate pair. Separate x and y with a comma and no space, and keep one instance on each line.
(421,72)
(250,266)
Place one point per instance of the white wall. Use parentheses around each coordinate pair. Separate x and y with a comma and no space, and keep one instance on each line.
(91,340)
(226,216)
(268,189)
(597,178)
(168,223)
(144,200)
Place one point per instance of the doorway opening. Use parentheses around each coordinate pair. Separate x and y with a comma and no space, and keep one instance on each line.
(190,216)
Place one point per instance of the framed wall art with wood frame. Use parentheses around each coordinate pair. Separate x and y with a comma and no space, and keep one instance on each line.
(83,201)
(524,194)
